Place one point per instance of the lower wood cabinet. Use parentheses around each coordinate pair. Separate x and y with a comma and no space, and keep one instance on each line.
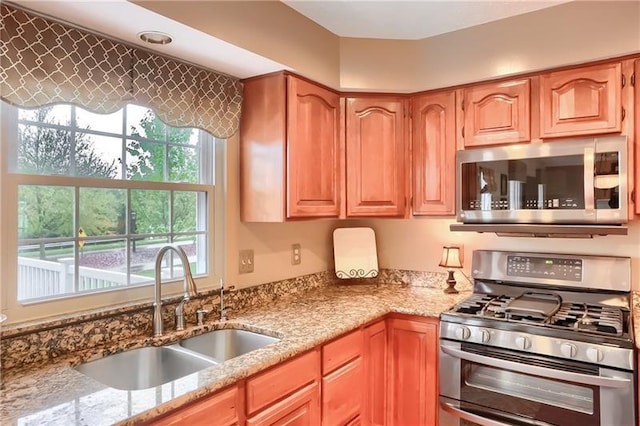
(343,379)
(375,374)
(413,372)
(382,374)
(224,408)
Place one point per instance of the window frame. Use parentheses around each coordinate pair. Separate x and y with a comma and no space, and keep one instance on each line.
(18,311)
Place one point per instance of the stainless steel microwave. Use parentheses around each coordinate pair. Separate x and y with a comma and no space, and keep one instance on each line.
(578,181)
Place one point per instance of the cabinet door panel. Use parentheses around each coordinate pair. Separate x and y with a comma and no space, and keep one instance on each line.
(300,409)
(497,113)
(434,154)
(342,394)
(581,101)
(313,150)
(375,367)
(413,372)
(375,152)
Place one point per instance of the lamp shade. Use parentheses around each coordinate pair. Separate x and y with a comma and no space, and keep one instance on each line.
(450,257)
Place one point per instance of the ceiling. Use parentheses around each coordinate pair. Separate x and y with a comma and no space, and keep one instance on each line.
(348,18)
(410,20)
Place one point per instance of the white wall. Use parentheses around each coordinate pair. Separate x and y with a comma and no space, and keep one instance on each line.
(416,244)
(567,34)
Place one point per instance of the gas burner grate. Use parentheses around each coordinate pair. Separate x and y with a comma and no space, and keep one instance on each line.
(590,318)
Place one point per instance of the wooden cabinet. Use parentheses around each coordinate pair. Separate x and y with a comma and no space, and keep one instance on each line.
(375,374)
(497,113)
(376,156)
(300,409)
(343,379)
(224,408)
(290,150)
(413,372)
(581,101)
(433,144)
(636,103)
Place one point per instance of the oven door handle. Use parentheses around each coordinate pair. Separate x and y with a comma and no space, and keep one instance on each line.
(609,382)
(484,421)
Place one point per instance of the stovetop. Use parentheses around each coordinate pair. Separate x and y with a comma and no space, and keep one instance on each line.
(547,310)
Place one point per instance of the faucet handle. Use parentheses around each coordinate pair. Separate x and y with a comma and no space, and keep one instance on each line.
(201,313)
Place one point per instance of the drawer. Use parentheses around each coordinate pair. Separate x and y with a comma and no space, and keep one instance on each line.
(265,388)
(341,351)
(342,394)
(220,409)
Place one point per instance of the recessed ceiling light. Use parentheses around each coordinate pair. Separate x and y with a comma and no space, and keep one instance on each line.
(155,37)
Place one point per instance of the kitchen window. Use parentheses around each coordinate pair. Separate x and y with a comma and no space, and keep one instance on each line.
(93,197)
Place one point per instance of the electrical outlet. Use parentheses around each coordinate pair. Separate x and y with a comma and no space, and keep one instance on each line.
(296,254)
(246,262)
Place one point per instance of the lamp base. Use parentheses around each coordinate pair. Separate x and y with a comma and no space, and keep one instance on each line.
(451,283)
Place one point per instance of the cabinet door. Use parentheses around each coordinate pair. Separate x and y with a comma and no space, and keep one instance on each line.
(300,409)
(581,101)
(375,374)
(225,408)
(313,150)
(636,103)
(434,153)
(342,394)
(413,379)
(497,113)
(375,147)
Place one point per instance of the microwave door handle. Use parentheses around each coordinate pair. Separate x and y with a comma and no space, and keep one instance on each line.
(585,379)
(589,169)
(478,418)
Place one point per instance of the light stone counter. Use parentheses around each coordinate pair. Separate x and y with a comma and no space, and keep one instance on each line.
(56,394)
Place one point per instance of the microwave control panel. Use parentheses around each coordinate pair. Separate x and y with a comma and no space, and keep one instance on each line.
(545,267)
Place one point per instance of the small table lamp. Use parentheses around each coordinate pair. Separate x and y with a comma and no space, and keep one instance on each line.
(450,260)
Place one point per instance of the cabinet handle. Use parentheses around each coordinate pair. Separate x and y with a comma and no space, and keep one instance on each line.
(624,80)
(463,131)
(624,114)
(633,79)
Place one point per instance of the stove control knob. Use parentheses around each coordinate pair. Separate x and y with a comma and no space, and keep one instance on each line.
(523,342)
(485,335)
(569,350)
(594,354)
(463,333)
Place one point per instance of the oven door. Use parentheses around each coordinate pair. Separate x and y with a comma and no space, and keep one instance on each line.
(486,386)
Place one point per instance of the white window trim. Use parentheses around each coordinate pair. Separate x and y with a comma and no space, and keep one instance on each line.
(18,312)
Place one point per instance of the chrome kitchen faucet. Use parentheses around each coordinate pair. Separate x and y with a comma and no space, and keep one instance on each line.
(189,289)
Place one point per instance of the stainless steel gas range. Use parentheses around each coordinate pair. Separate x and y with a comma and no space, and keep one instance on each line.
(545,339)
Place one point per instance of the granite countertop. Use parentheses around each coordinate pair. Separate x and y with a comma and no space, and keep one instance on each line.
(58,394)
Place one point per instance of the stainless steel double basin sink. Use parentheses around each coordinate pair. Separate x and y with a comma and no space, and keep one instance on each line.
(151,366)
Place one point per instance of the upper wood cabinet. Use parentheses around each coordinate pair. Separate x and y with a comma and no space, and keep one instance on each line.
(290,150)
(413,372)
(376,156)
(497,113)
(581,101)
(433,144)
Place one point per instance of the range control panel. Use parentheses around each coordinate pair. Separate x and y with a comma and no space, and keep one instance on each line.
(545,267)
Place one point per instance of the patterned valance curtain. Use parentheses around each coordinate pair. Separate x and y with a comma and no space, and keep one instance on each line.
(45,62)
